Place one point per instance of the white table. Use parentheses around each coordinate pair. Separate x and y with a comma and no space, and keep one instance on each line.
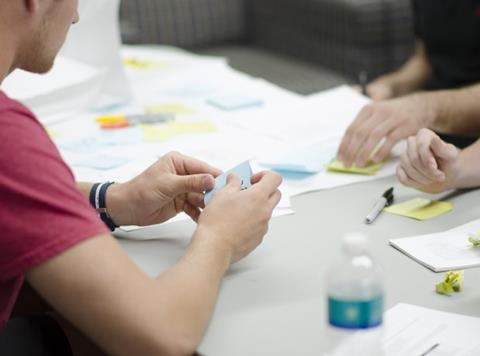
(273,303)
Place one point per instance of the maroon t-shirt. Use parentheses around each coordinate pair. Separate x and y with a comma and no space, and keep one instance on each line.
(42,213)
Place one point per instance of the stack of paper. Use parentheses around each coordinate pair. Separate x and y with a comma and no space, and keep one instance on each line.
(444,251)
(70,86)
(416,331)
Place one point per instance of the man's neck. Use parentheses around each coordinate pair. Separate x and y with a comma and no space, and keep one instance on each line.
(7,56)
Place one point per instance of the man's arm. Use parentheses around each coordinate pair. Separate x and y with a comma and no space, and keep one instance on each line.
(456,111)
(412,76)
(96,287)
(103,293)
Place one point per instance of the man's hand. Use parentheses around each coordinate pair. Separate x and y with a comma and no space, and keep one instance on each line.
(236,220)
(429,164)
(174,184)
(383,123)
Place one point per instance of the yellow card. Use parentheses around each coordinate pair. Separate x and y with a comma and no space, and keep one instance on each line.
(169,108)
(153,133)
(420,208)
(369,170)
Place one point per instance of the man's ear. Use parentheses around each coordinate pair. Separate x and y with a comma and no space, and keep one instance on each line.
(31,6)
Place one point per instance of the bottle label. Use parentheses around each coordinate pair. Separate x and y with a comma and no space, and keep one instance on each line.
(351,314)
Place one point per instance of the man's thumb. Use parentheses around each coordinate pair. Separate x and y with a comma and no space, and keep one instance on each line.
(443,150)
(195,183)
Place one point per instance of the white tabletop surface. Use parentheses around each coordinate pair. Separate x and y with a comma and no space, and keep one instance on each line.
(273,302)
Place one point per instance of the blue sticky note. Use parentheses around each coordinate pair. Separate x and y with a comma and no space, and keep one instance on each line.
(96,142)
(233,102)
(243,171)
(101,162)
(306,160)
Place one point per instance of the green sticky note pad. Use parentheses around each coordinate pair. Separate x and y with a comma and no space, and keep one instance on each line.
(369,170)
(420,208)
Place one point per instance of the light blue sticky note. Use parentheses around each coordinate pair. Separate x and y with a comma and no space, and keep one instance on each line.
(101,162)
(243,171)
(96,142)
(307,160)
(233,102)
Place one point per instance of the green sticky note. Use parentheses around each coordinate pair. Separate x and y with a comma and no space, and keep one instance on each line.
(369,170)
(452,283)
(474,239)
(420,208)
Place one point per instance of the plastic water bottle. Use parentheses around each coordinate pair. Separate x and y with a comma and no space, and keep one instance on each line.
(355,302)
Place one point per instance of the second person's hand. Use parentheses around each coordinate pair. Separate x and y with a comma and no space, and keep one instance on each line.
(388,121)
(429,164)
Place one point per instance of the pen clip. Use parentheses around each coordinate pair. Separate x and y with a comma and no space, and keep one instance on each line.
(389,200)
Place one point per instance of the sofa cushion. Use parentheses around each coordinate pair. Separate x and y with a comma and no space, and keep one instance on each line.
(345,35)
(183,23)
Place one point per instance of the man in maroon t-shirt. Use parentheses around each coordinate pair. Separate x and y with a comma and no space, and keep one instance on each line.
(56,251)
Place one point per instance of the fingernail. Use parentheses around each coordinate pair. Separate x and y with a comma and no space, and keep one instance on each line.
(208,182)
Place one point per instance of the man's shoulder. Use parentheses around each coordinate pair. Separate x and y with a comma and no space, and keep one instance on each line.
(8,104)
(16,120)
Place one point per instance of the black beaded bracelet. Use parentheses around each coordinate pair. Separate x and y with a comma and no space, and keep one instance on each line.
(98,201)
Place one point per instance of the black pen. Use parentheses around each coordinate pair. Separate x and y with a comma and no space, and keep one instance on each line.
(430,349)
(363,82)
(385,200)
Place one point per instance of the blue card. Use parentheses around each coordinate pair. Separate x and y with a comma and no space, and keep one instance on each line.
(233,102)
(306,160)
(243,171)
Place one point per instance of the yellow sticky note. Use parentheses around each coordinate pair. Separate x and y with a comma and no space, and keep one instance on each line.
(169,108)
(420,208)
(143,63)
(167,132)
(53,133)
(192,126)
(153,133)
(369,170)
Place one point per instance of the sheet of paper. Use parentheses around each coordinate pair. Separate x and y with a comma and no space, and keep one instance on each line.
(306,120)
(242,171)
(96,41)
(233,102)
(369,170)
(155,232)
(417,331)
(102,162)
(420,208)
(443,251)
